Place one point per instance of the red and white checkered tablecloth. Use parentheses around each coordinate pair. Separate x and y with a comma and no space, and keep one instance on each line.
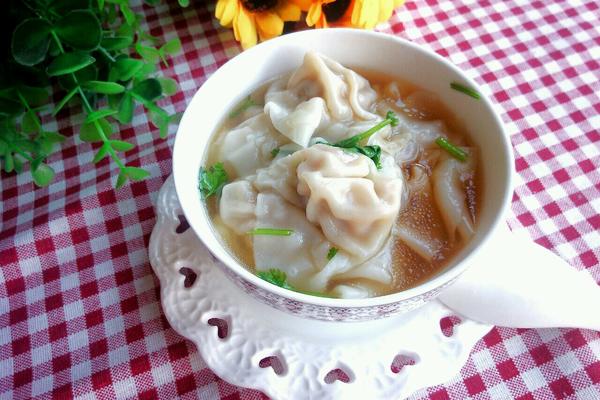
(79,305)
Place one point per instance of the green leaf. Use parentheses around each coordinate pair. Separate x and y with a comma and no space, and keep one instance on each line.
(61,7)
(146,36)
(116,43)
(68,63)
(121,179)
(146,70)
(149,89)
(136,174)
(160,118)
(35,163)
(175,118)
(96,115)
(89,73)
(9,107)
(129,16)
(111,16)
(169,86)
(48,140)
(100,5)
(43,175)
(126,108)
(184,3)
(54,137)
(89,132)
(149,54)
(102,152)
(103,87)
(127,67)
(80,29)
(9,162)
(212,180)
(30,41)
(331,253)
(171,47)
(64,101)
(35,96)
(30,122)
(18,164)
(120,145)
(276,277)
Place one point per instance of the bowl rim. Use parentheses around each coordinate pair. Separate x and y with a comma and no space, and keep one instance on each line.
(440,279)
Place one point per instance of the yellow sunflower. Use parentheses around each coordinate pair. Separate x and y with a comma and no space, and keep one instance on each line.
(355,13)
(254,19)
(325,13)
(368,13)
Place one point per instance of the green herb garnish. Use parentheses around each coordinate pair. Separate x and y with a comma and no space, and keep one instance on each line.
(212,180)
(453,150)
(331,253)
(466,90)
(390,119)
(270,232)
(243,106)
(373,152)
(275,276)
(275,151)
(279,278)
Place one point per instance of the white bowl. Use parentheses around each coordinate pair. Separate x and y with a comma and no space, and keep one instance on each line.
(365,50)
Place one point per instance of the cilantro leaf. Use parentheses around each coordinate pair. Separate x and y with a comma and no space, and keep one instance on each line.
(331,253)
(276,277)
(212,180)
(279,278)
(352,144)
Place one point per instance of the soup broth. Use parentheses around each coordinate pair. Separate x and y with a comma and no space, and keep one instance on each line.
(366,226)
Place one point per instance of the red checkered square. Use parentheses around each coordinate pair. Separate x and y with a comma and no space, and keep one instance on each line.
(537,61)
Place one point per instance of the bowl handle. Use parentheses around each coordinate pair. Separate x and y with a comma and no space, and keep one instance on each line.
(517,283)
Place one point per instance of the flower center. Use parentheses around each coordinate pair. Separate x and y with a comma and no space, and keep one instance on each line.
(336,10)
(259,5)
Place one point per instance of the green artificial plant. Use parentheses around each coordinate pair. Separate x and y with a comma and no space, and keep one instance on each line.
(89,54)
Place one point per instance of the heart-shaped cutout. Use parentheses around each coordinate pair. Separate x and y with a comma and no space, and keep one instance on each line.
(183,226)
(401,361)
(447,324)
(274,362)
(190,276)
(222,326)
(337,374)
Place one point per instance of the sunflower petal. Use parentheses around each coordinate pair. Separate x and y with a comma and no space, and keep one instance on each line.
(303,4)
(314,14)
(226,11)
(385,10)
(370,13)
(289,12)
(269,23)
(244,28)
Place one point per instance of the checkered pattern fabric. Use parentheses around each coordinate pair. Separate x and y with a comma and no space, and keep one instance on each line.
(79,306)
